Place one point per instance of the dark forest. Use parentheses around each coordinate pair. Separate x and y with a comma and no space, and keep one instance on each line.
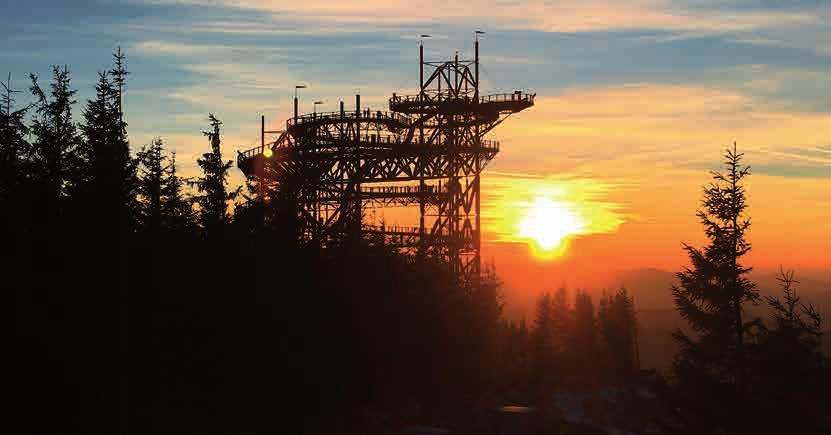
(145,301)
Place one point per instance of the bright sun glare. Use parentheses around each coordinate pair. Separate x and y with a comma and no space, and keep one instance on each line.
(547,213)
(549,223)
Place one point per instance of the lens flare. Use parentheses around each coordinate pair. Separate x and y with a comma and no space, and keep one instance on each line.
(549,223)
(547,213)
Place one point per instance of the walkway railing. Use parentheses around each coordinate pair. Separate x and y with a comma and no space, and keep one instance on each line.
(396,230)
(368,141)
(367,115)
(517,96)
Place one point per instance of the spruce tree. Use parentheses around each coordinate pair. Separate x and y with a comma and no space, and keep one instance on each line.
(119,75)
(104,209)
(213,195)
(14,155)
(485,301)
(16,196)
(790,376)
(797,327)
(105,175)
(563,321)
(151,172)
(712,359)
(161,202)
(55,139)
(583,346)
(177,210)
(618,327)
(543,339)
(14,146)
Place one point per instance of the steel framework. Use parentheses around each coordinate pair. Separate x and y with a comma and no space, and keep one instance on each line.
(427,151)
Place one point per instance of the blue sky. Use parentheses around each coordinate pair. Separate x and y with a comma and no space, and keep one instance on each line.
(640,97)
(240,58)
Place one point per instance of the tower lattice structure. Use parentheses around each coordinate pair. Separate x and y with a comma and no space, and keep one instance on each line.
(425,153)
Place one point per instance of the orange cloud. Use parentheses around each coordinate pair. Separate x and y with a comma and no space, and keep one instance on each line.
(574,16)
(652,146)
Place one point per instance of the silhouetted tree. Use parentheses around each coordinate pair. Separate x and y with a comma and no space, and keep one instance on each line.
(162,204)
(486,308)
(516,360)
(14,146)
(106,172)
(15,174)
(583,345)
(177,210)
(269,212)
(618,327)
(790,379)
(54,139)
(213,198)
(797,327)
(563,320)
(119,75)
(712,362)
(17,226)
(543,337)
(151,171)
(552,327)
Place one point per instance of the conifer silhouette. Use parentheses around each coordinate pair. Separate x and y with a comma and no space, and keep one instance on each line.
(55,137)
(14,163)
(213,198)
(618,328)
(789,376)
(713,362)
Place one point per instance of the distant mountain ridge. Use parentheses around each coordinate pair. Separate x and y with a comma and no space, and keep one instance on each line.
(651,287)
(657,317)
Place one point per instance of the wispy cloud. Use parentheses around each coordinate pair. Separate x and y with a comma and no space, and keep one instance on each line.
(569,16)
(617,131)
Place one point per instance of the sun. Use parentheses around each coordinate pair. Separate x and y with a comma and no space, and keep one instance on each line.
(549,224)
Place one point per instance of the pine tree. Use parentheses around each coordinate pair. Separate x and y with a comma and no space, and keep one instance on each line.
(14,149)
(583,346)
(177,210)
(797,327)
(119,74)
(55,138)
(486,309)
(161,205)
(711,295)
(16,196)
(543,338)
(212,185)
(790,377)
(104,181)
(563,320)
(106,173)
(618,327)
(553,326)
(151,173)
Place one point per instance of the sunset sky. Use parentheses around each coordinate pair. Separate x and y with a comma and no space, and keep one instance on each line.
(636,102)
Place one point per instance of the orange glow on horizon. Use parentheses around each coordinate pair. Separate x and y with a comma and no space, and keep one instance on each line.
(549,224)
(547,213)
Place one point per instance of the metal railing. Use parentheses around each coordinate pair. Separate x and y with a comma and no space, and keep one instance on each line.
(247,154)
(512,97)
(369,140)
(402,190)
(395,230)
(367,114)
(375,139)
(517,96)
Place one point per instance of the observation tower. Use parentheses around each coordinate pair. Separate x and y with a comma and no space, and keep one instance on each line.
(425,152)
